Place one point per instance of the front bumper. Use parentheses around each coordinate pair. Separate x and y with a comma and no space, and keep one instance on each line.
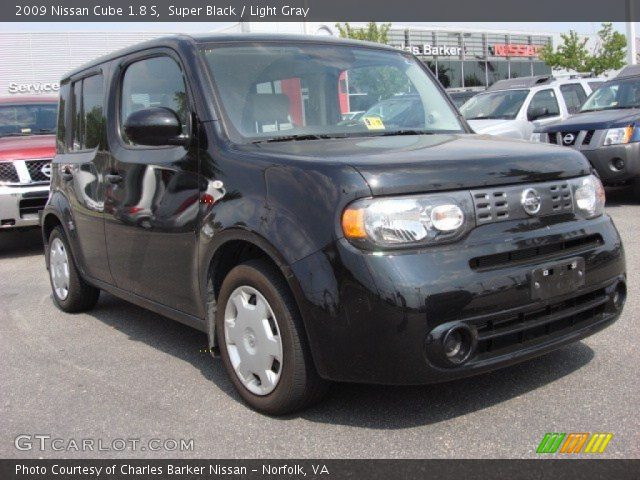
(19,205)
(603,159)
(369,317)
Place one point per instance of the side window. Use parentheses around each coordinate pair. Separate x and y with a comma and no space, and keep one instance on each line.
(61,134)
(76,116)
(93,120)
(573,95)
(153,82)
(87,117)
(543,100)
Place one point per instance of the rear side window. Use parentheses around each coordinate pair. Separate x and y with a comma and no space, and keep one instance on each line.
(574,96)
(87,113)
(153,82)
(544,99)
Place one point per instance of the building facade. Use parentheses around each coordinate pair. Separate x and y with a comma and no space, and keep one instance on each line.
(474,58)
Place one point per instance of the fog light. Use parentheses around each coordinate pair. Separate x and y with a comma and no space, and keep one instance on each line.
(617,164)
(451,344)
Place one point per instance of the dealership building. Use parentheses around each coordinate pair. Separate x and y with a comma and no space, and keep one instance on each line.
(461,58)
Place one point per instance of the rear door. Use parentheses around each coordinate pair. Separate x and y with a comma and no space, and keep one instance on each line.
(83,160)
(152,192)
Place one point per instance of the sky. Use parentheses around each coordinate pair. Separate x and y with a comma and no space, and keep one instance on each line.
(198,27)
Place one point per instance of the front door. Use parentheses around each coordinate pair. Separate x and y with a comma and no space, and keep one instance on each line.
(152,192)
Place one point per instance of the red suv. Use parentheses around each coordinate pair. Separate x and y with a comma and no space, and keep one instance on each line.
(27,145)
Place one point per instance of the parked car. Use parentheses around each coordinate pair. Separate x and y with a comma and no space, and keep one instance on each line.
(516,107)
(27,145)
(311,251)
(606,130)
(460,97)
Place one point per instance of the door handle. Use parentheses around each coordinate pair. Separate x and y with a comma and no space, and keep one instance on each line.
(114,178)
(66,174)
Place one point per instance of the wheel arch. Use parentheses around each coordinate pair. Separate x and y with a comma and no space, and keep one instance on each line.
(231,248)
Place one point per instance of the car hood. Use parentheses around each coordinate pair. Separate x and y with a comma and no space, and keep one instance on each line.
(421,163)
(27,147)
(494,127)
(594,120)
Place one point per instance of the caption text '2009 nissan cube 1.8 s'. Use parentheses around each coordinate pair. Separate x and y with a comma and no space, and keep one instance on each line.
(223,182)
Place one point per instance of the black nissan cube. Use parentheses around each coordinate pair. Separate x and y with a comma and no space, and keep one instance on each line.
(225,182)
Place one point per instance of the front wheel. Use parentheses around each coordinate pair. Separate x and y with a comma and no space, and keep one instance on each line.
(262,342)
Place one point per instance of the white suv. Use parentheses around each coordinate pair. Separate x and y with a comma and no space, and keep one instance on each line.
(516,107)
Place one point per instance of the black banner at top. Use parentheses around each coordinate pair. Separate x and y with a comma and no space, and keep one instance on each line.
(318,10)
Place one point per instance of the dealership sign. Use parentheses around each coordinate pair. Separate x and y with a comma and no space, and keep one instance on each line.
(435,50)
(37,87)
(514,50)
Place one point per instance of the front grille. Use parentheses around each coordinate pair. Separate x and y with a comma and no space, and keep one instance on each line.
(30,206)
(504,203)
(538,253)
(8,172)
(512,331)
(588,137)
(35,170)
(553,138)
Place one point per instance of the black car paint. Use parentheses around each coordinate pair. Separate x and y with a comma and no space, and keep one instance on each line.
(366,315)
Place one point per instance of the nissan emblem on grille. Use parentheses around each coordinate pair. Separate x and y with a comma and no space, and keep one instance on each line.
(46,170)
(568,139)
(531,201)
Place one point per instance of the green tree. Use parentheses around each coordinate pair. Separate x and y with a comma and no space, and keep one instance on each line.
(573,54)
(372,32)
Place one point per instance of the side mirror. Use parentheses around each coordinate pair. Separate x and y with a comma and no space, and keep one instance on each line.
(538,112)
(155,126)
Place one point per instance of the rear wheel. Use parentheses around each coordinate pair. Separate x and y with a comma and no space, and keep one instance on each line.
(262,342)
(70,292)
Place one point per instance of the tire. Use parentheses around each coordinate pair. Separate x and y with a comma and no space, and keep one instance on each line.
(78,296)
(298,385)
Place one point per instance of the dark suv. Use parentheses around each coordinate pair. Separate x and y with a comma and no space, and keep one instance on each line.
(606,130)
(213,180)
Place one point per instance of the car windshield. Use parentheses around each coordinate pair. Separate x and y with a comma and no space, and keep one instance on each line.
(27,119)
(617,94)
(504,104)
(281,91)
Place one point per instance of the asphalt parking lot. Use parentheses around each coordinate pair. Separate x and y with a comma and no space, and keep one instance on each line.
(122,372)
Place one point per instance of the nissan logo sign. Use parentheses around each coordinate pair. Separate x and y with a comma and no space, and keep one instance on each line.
(46,170)
(531,201)
(568,139)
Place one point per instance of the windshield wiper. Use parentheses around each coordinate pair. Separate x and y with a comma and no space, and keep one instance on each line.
(404,132)
(293,138)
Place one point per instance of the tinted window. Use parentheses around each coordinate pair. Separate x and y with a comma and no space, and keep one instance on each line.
(153,82)
(76,116)
(544,99)
(93,118)
(87,118)
(574,96)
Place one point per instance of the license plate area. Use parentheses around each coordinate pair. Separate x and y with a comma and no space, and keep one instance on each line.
(557,278)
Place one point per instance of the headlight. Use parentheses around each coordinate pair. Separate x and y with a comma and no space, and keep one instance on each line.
(396,222)
(589,196)
(536,137)
(618,136)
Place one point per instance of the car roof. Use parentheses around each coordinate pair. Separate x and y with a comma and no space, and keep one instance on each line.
(536,83)
(20,99)
(203,39)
